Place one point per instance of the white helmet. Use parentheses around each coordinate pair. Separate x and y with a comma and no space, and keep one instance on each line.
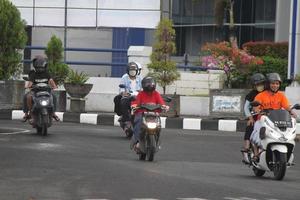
(139,67)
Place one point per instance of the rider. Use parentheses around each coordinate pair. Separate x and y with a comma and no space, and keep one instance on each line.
(258,85)
(271,98)
(148,96)
(132,82)
(40,75)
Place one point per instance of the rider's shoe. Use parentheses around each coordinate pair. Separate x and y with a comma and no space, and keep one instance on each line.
(26,117)
(55,117)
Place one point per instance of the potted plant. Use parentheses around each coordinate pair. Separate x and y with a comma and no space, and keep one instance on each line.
(57,69)
(161,68)
(77,88)
(12,42)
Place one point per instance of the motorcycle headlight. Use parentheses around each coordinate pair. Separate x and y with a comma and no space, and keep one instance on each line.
(44,102)
(151,125)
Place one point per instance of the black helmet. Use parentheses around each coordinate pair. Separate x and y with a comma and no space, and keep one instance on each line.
(257,78)
(132,66)
(39,63)
(271,77)
(148,84)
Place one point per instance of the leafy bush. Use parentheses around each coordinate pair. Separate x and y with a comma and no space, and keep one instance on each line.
(272,64)
(12,39)
(54,51)
(264,48)
(235,62)
(75,77)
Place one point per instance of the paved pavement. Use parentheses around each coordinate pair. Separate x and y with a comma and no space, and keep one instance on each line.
(82,161)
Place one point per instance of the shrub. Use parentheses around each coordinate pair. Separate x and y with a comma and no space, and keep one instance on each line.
(272,64)
(54,51)
(235,62)
(264,48)
(12,39)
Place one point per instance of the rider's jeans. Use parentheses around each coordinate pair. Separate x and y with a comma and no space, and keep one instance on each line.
(137,126)
(255,139)
(125,109)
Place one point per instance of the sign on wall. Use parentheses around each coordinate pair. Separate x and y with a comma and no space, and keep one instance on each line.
(226,104)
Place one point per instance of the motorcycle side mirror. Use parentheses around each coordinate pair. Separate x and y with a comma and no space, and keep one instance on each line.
(25,78)
(296,106)
(168,99)
(255,104)
(122,86)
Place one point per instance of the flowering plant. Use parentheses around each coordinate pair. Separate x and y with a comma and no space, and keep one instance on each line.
(233,61)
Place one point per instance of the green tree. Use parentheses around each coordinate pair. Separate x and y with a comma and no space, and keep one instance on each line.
(12,39)
(54,51)
(161,67)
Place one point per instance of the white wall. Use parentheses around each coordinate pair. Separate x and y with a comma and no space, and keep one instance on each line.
(91,13)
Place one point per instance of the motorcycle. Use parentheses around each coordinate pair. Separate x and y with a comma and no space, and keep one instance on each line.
(127,125)
(277,134)
(150,131)
(42,109)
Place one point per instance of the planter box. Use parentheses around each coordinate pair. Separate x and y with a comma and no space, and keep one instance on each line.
(174,105)
(61,100)
(11,94)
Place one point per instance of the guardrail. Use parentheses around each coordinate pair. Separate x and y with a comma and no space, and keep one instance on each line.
(83,50)
(185,67)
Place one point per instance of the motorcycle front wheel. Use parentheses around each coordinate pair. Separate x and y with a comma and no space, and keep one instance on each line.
(279,169)
(151,147)
(258,172)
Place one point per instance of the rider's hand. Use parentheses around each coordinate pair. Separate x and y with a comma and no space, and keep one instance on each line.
(250,121)
(293,114)
(165,107)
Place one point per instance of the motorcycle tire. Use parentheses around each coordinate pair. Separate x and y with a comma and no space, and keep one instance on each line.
(142,156)
(39,130)
(279,169)
(258,172)
(128,133)
(45,119)
(151,147)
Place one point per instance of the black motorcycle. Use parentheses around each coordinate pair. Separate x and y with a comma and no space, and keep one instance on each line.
(150,131)
(42,109)
(127,124)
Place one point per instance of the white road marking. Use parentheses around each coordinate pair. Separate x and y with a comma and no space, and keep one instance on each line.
(190,199)
(15,131)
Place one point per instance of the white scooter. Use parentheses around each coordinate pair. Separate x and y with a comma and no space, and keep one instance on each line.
(277,134)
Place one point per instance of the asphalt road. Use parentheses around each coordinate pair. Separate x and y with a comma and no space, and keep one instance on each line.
(81,162)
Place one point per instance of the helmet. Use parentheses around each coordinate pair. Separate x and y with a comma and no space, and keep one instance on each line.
(132,69)
(139,67)
(148,84)
(271,77)
(39,63)
(257,78)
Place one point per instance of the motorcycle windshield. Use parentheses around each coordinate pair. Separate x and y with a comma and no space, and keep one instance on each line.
(281,118)
(150,107)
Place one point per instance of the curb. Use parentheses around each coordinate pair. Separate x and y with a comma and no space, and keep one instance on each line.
(110,119)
